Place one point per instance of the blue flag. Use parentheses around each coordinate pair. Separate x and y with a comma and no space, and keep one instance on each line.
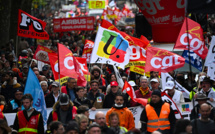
(33,87)
(195,60)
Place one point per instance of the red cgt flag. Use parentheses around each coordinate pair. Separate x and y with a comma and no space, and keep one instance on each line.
(81,81)
(162,60)
(54,65)
(66,60)
(196,39)
(31,27)
(130,91)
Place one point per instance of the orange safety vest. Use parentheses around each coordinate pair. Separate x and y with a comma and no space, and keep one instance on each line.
(55,117)
(28,127)
(154,122)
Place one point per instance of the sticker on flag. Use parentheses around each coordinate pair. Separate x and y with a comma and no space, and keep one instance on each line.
(110,48)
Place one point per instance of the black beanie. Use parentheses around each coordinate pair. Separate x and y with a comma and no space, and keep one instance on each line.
(157,92)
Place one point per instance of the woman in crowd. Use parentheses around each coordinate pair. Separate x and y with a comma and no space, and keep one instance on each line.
(82,121)
(114,124)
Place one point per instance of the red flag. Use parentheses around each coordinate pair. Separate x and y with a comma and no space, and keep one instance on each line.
(88,47)
(41,54)
(54,65)
(31,27)
(81,81)
(66,60)
(131,93)
(162,60)
(196,39)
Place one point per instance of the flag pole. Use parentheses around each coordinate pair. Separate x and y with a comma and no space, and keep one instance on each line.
(58,63)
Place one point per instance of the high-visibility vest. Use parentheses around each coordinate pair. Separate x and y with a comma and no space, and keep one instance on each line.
(154,122)
(55,116)
(28,127)
(1,115)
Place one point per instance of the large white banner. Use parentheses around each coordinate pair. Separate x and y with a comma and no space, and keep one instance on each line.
(166,77)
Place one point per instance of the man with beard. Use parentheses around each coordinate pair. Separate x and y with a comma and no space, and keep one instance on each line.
(101,121)
(96,75)
(157,116)
(96,98)
(125,115)
(9,86)
(29,120)
(15,104)
(70,88)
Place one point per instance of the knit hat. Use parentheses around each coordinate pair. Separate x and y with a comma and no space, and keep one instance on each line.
(157,92)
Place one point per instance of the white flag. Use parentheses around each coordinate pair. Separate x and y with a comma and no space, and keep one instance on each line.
(166,77)
(211,71)
(210,59)
(118,77)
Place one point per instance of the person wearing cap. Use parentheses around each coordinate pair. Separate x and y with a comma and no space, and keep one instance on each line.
(72,128)
(81,100)
(70,88)
(44,86)
(63,110)
(143,91)
(15,104)
(9,86)
(207,89)
(155,83)
(112,78)
(24,73)
(157,116)
(101,121)
(56,127)
(46,72)
(109,98)
(94,128)
(174,94)
(28,120)
(201,98)
(53,96)
(96,98)
(126,117)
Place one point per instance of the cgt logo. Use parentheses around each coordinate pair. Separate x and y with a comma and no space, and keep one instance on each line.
(196,44)
(68,63)
(165,62)
(26,21)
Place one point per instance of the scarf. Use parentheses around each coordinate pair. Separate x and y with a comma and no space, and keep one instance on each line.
(144,91)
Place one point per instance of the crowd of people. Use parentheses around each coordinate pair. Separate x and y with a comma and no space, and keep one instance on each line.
(71,103)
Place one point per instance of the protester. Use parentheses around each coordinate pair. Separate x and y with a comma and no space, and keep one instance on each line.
(81,100)
(201,98)
(29,120)
(63,110)
(96,98)
(94,128)
(157,116)
(44,86)
(4,128)
(15,104)
(101,121)
(125,115)
(114,124)
(183,126)
(53,96)
(82,121)
(174,94)
(56,127)
(70,88)
(155,82)
(204,124)
(72,128)
(143,91)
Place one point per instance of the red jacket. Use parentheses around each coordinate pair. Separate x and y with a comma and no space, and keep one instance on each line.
(140,95)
